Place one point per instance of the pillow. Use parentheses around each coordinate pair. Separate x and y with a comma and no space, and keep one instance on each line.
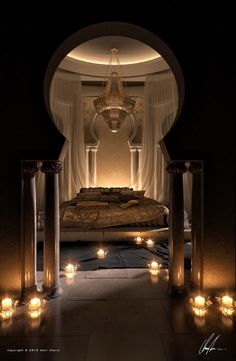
(91,204)
(131,203)
(89,196)
(129,195)
(104,190)
(110,198)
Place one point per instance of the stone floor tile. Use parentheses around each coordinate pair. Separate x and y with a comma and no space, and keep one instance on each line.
(125,348)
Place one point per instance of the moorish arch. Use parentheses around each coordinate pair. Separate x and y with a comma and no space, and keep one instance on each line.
(140,34)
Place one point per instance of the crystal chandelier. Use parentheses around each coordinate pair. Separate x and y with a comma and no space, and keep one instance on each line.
(114,104)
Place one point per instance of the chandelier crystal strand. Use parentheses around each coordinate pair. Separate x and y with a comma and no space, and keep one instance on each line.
(114,104)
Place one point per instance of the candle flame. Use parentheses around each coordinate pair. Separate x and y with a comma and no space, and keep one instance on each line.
(154,268)
(199,306)
(227,305)
(7,308)
(138,240)
(34,307)
(70,270)
(150,243)
(101,253)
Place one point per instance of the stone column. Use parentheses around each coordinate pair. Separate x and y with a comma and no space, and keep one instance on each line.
(195,169)
(157,162)
(87,166)
(134,167)
(29,235)
(93,166)
(176,229)
(140,171)
(51,281)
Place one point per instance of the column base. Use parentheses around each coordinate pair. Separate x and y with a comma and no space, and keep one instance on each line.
(52,292)
(176,291)
(195,286)
(29,293)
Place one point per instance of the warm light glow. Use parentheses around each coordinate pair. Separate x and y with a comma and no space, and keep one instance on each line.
(7,308)
(199,301)
(35,303)
(70,270)
(199,311)
(34,307)
(154,268)
(7,314)
(199,306)
(150,243)
(35,314)
(138,240)
(227,305)
(6,304)
(101,253)
(227,302)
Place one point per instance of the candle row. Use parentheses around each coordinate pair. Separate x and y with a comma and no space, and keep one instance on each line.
(70,269)
(149,243)
(34,306)
(200,305)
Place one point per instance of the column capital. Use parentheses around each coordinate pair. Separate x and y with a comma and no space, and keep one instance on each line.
(30,167)
(51,166)
(91,148)
(176,168)
(195,167)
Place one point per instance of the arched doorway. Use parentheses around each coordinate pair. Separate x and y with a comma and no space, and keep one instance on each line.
(127,31)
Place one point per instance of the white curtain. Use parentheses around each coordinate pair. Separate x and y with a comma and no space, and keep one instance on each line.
(161,102)
(66,104)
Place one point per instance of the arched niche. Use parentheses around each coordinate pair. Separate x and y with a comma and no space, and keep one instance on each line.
(115,29)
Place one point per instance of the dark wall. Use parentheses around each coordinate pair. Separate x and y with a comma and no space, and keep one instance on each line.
(201,41)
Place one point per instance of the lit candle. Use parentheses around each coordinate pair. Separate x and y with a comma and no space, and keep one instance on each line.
(227,302)
(7,308)
(199,306)
(138,240)
(199,302)
(35,307)
(6,304)
(227,305)
(150,243)
(101,253)
(154,268)
(70,270)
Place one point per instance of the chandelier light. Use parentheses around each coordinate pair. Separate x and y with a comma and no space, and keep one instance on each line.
(114,104)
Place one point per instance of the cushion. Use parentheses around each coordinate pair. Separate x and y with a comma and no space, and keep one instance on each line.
(131,203)
(91,204)
(128,195)
(105,190)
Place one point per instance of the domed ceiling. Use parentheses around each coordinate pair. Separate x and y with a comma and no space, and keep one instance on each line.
(92,57)
(98,51)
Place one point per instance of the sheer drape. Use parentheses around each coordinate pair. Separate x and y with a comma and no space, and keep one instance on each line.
(66,102)
(161,102)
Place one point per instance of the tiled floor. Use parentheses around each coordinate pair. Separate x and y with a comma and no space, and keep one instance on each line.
(116,315)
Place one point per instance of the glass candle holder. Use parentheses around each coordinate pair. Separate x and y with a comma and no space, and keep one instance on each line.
(70,270)
(35,307)
(7,308)
(200,305)
(154,268)
(138,240)
(227,305)
(150,243)
(101,253)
